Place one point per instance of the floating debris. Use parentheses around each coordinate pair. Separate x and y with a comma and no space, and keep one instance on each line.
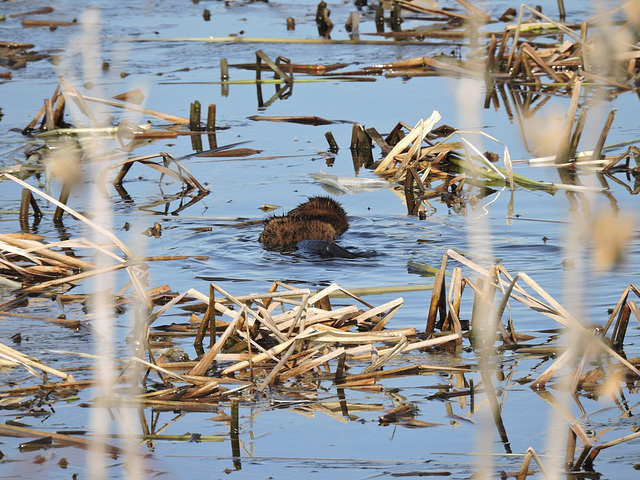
(342,185)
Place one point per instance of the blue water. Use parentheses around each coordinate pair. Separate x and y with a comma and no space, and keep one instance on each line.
(303,442)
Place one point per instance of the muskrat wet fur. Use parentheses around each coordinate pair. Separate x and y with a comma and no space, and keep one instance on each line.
(325,209)
(282,231)
(320,218)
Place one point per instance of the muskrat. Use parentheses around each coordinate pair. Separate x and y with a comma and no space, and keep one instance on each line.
(312,225)
(325,209)
(287,230)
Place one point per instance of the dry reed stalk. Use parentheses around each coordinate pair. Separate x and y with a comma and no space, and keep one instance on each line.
(540,62)
(22,359)
(73,93)
(172,405)
(420,131)
(208,321)
(524,469)
(48,387)
(139,285)
(222,357)
(266,315)
(376,335)
(570,450)
(40,112)
(310,364)
(28,22)
(184,173)
(300,309)
(162,310)
(420,8)
(577,133)
(39,11)
(390,353)
(575,382)
(432,342)
(269,380)
(261,356)
(475,10)
(606,169)
(187,437)
(597,149)
(634,309)
(246,336)
(600,79)
(59,321)
(11,252)
(332,290)
(86,243)
(268,40)
(43,250)
(551,308)
(395,372)
(209,357)
(593,342)
(542,380)
(75,214)
(456,328)
(81,102)
(207,389)
(16,431)
(481,320)
(392,306)
(238,301)
(183,378)
(596,450)
(500,310)
(620,327)
(455,297)
(126,165)
(72,279)
(438,298)
(518,27)
(261,56)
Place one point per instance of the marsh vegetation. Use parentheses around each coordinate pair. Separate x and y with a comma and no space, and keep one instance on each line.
(486,159)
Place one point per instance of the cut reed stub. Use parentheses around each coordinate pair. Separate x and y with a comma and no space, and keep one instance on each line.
(211,117)
(194,116)
(353,23)
(333,145)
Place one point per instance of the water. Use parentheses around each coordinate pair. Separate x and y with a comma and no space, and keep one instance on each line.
(311,440)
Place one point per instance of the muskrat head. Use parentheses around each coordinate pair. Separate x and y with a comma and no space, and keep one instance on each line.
(280,231)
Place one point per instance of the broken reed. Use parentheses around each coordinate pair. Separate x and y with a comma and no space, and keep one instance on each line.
(309,333)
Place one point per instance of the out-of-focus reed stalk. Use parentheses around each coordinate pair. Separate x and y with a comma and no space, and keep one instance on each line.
(88,46)
(469,95)
(585,229)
